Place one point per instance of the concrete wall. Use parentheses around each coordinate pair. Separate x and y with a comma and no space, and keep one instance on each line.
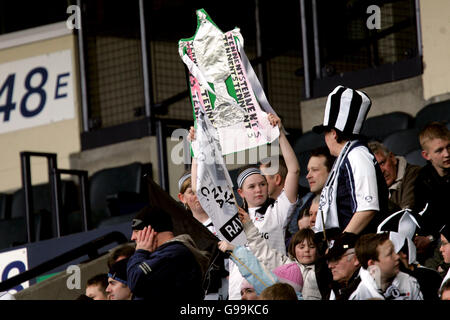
(62,137)
(436,47)
(408,95)
(405,95)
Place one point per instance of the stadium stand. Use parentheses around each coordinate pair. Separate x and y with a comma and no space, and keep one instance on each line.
(415,157)
(379,127)
(308,141)
(402,142)
(117,191)
(439,111)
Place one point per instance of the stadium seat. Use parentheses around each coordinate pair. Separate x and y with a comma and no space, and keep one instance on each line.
(308,141)
(116,220)
(415,157)
(13,231)
(379,127)
(5,206)
(42,205)
(117,191)
(402,142)
(439,111)
(42,198)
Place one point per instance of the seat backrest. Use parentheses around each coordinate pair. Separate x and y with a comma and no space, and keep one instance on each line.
(308,141)
(379,127)
(415,157)
(13,232)
(42,200)
(5,206)
(403,142)
(439,111)
(109,182)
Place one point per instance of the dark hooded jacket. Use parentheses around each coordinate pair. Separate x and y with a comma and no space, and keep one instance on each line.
(173,272)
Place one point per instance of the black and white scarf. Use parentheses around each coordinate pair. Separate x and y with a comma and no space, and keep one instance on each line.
(327,215)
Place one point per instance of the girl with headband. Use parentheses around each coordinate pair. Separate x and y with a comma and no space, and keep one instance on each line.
(190,201)
(270,216)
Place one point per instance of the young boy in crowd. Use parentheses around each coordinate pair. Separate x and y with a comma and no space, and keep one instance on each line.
(96,287)
(380,275)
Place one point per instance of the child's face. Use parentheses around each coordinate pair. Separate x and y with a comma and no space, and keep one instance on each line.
(313,214)
(445,249)
(388,260)
(305,252)
(190,198)
(438,152)
(254,190)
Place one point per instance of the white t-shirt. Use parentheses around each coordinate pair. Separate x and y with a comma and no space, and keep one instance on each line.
(403,287)
(272,226)
(352,186)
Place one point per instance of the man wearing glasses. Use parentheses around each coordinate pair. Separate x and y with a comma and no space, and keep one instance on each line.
(344,266)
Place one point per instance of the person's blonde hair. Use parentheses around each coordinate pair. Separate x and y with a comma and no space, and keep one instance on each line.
(186,183)
(433,130)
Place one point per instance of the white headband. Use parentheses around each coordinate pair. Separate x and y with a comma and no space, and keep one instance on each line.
(245,174)
(183,179)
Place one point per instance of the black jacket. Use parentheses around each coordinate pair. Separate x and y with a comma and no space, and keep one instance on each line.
(344,292)
(429,280)
(435,190)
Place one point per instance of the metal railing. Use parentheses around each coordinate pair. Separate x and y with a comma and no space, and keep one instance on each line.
(84,188)
(55,191)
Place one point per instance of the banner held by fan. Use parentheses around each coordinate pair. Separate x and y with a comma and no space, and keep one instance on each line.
(214,185)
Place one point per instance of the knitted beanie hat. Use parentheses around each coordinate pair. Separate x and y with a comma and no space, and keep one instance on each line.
(291,274)
(118,271)
(154,216)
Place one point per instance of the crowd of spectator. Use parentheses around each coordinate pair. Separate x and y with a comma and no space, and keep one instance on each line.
(371,227)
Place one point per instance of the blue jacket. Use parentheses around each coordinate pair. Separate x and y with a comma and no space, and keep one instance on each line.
(170,272)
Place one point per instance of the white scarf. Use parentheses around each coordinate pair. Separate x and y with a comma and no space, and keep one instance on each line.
(327,213)
(371,285)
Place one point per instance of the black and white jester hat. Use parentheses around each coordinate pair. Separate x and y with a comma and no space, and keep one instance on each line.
(399,241)
(402,221)
(401,226)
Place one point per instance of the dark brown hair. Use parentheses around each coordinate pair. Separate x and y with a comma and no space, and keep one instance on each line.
(100,280)
(125,251)
(366,247)
(299,236)
(324,152)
